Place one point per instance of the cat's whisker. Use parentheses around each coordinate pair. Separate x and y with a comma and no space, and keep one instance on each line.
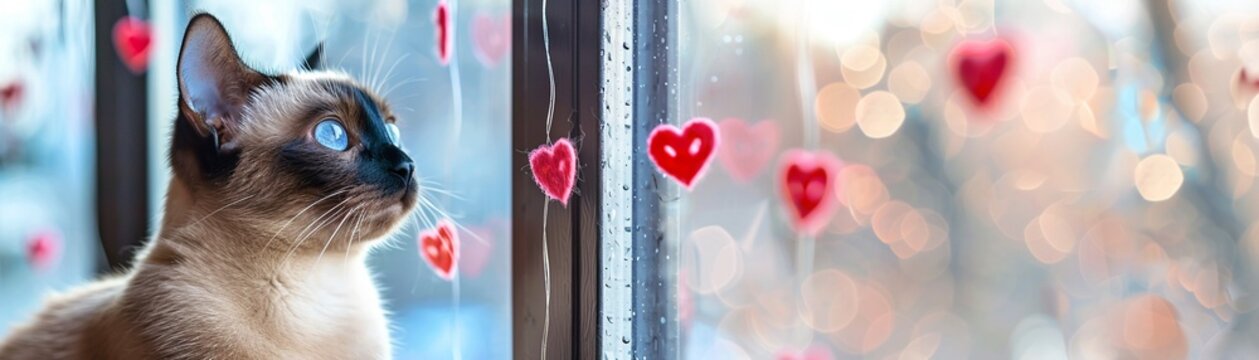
(355,237)
(337,230)
(299,213)
(385,79)
(207,216)
(379,62)
(362,63)
(453,221)
(302,238)
(448,193)
(399,85)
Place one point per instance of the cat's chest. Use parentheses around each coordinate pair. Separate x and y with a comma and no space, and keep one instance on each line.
(334,315)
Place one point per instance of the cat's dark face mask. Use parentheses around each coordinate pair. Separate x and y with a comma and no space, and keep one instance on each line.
(311,148)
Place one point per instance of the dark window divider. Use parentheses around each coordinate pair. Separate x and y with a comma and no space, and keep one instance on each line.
(572,231)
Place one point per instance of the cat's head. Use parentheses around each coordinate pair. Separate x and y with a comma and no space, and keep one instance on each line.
(308,155)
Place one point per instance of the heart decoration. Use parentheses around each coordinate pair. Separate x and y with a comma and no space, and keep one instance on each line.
(981,66)
(43,248)
(491,37)
(746,149)
(683,154)
(1245,86)
(474,255)
(440,249)
(808,180)
(133,38)
(555,169)
(441,18)
(11,95)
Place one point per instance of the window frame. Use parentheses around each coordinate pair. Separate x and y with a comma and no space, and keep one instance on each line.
(573,231)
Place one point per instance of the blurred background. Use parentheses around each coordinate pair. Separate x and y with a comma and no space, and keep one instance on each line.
(1020,179)
(87,95)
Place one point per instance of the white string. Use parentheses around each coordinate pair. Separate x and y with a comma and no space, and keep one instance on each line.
(457,108)
(136,9)
(546,281)
(458,353)
(550,72)
(550,116)
(807,89)
(456,87)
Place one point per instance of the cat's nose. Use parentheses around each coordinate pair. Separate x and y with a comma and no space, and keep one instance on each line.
(405,169)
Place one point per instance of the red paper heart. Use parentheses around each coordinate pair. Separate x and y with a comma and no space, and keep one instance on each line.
(43,248)
(492,38)
(440,249)
(808,181)
(555,169)
(683,154)
(441,18)
(11,95)
(133,39)
(980,67)
(746,149)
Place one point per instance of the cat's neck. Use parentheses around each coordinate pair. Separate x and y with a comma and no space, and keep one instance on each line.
(214,232)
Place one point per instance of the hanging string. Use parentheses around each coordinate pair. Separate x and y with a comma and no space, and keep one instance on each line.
(808,90)
(550,117)
(456,89)
(550,72)
(137,9)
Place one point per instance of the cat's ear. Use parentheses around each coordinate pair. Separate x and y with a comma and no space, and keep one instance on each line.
(314,59)
(214,84)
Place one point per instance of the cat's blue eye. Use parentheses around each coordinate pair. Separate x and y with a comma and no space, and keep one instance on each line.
(331,134)
(395,135)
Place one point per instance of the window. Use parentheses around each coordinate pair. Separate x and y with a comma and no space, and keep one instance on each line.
(800,179)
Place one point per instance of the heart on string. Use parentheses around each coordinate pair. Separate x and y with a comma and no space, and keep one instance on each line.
(11,95)
(980,68)
(555,169)
(43,248)
(746,149)
(133,38)
(683,154)
(808,181)
(440,249)
(441,19)
(491,37)
(1245,86)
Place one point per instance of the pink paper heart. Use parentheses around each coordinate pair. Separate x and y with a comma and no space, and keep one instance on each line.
(491,37)
(981,68)
(133,38)
(745,150)
(11,95)
(808,184)
(555,169)
(43,249)
(441,20)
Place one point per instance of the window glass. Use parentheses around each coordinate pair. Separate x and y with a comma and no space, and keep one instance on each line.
(454,120)
(967,179)
(48,238)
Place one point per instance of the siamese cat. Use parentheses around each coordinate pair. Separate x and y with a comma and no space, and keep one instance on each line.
(280,186)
